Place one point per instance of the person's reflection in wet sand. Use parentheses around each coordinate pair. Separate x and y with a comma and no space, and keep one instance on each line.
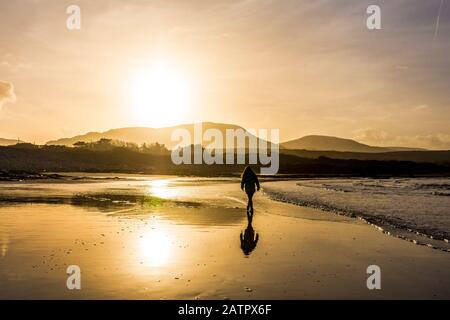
(248,238)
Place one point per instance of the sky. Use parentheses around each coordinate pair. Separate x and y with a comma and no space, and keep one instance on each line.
(304,67)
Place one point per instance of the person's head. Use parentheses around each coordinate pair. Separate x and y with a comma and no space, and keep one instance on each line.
(247,171)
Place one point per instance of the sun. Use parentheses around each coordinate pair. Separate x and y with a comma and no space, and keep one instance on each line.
(161,94)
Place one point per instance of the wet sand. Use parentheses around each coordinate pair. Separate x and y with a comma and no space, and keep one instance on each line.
(188,247)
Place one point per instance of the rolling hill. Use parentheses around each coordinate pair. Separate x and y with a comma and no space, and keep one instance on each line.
(142,135)
(327,143)
(9,142)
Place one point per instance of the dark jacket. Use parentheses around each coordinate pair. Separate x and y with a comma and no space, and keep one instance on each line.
(249,181)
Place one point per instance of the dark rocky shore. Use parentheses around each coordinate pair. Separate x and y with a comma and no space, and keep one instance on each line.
(20,175)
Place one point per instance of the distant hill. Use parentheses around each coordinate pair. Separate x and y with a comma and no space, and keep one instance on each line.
(137,135)
(17,162)
(142,135)
(9,142)
(327,143)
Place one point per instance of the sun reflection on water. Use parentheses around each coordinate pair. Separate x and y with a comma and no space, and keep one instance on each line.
(4,245)
(162,188)
(155,248)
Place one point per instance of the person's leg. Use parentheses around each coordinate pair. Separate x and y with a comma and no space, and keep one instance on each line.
(250,202)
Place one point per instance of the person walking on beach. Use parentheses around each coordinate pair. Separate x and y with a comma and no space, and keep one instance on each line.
(248,183)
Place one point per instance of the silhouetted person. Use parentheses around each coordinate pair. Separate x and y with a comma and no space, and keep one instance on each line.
(250,184)
(248,238)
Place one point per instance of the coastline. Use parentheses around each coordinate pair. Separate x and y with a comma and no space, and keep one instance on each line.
(32,175)
(302,253)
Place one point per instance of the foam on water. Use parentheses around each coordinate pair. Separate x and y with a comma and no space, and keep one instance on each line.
(417,209)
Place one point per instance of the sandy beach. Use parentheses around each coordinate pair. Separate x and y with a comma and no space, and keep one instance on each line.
(169,238)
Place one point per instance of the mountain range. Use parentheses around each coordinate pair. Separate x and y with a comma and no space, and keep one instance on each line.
(140,135)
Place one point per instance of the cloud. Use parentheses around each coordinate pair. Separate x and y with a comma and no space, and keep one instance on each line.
(372,136)
(438,141)
(6,92)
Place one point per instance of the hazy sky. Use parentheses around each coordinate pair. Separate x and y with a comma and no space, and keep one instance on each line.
(306,67)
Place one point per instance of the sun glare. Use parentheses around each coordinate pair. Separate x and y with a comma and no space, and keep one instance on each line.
(161,95)
(162,189)
(155,248)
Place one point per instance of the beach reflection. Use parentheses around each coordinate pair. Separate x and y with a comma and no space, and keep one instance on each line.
(4,245)
(155,248)
(249,238)
(162,188)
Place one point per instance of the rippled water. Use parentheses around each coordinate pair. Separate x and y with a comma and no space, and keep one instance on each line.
(419,206)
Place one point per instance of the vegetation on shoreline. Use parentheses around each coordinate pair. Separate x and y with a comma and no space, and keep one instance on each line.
(22,161)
